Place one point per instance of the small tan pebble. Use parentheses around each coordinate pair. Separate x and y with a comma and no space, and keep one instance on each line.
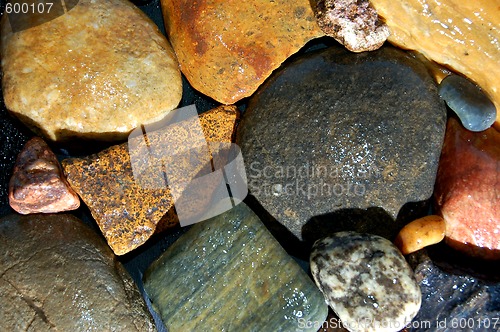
(353,23)
(421,233)
(38,184)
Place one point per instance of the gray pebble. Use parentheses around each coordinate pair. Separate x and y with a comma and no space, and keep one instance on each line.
(472,106)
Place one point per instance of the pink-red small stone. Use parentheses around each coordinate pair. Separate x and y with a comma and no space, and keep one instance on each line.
(468,188)
(38,184)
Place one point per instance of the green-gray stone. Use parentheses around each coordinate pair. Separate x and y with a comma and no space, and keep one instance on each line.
(229,274)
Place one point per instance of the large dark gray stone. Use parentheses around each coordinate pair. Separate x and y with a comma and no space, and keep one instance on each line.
(57,274)
(335,131)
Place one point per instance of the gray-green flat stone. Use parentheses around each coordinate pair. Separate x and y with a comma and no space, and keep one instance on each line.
(366,281)
(229,274)
(335,130)
(56,274)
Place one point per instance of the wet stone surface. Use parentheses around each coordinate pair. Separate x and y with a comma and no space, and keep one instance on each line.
(366,281)
(457,294)
(229,274)
(59,275)
(38,184)
(335,131)
(467,190)
(127,212)
(466,99)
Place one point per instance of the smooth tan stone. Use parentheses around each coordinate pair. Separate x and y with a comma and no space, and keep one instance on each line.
(38,184)
(464,36)
(96,72)
(420,233)
(226,49)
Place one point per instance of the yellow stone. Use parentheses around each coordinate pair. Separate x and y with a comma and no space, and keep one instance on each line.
(96,72)
(461,35)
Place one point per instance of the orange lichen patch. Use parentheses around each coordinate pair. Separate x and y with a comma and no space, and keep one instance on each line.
(126,212)
(226,49)
(218,125)
(464,36)
(420,233)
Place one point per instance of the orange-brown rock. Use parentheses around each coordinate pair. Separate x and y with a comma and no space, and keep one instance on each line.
(218,126)
(38,184)
(420,233)
(467,190)
(462,35)
(226,49)
(126,212)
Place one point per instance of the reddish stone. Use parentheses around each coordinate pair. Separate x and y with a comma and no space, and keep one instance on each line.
(38,184)
(468,190)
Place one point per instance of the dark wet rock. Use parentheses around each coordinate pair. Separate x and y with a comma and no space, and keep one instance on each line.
(38,184)
(229,274)
(335,131)
(476,111)
(458,294)
(57,274)
(467,190)
(12,139)
(366,281)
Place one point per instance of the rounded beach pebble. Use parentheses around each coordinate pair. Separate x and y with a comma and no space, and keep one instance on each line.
(96,72)
(471,105)
(366,281)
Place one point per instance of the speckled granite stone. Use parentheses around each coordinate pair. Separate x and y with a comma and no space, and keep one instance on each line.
(335,130)
(366,281)
(229,274)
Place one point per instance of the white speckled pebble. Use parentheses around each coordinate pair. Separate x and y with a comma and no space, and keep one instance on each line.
(366,281)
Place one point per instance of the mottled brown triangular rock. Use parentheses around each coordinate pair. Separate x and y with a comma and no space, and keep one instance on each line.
(38,184)
(218,125)
(127,213)
(226,49)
